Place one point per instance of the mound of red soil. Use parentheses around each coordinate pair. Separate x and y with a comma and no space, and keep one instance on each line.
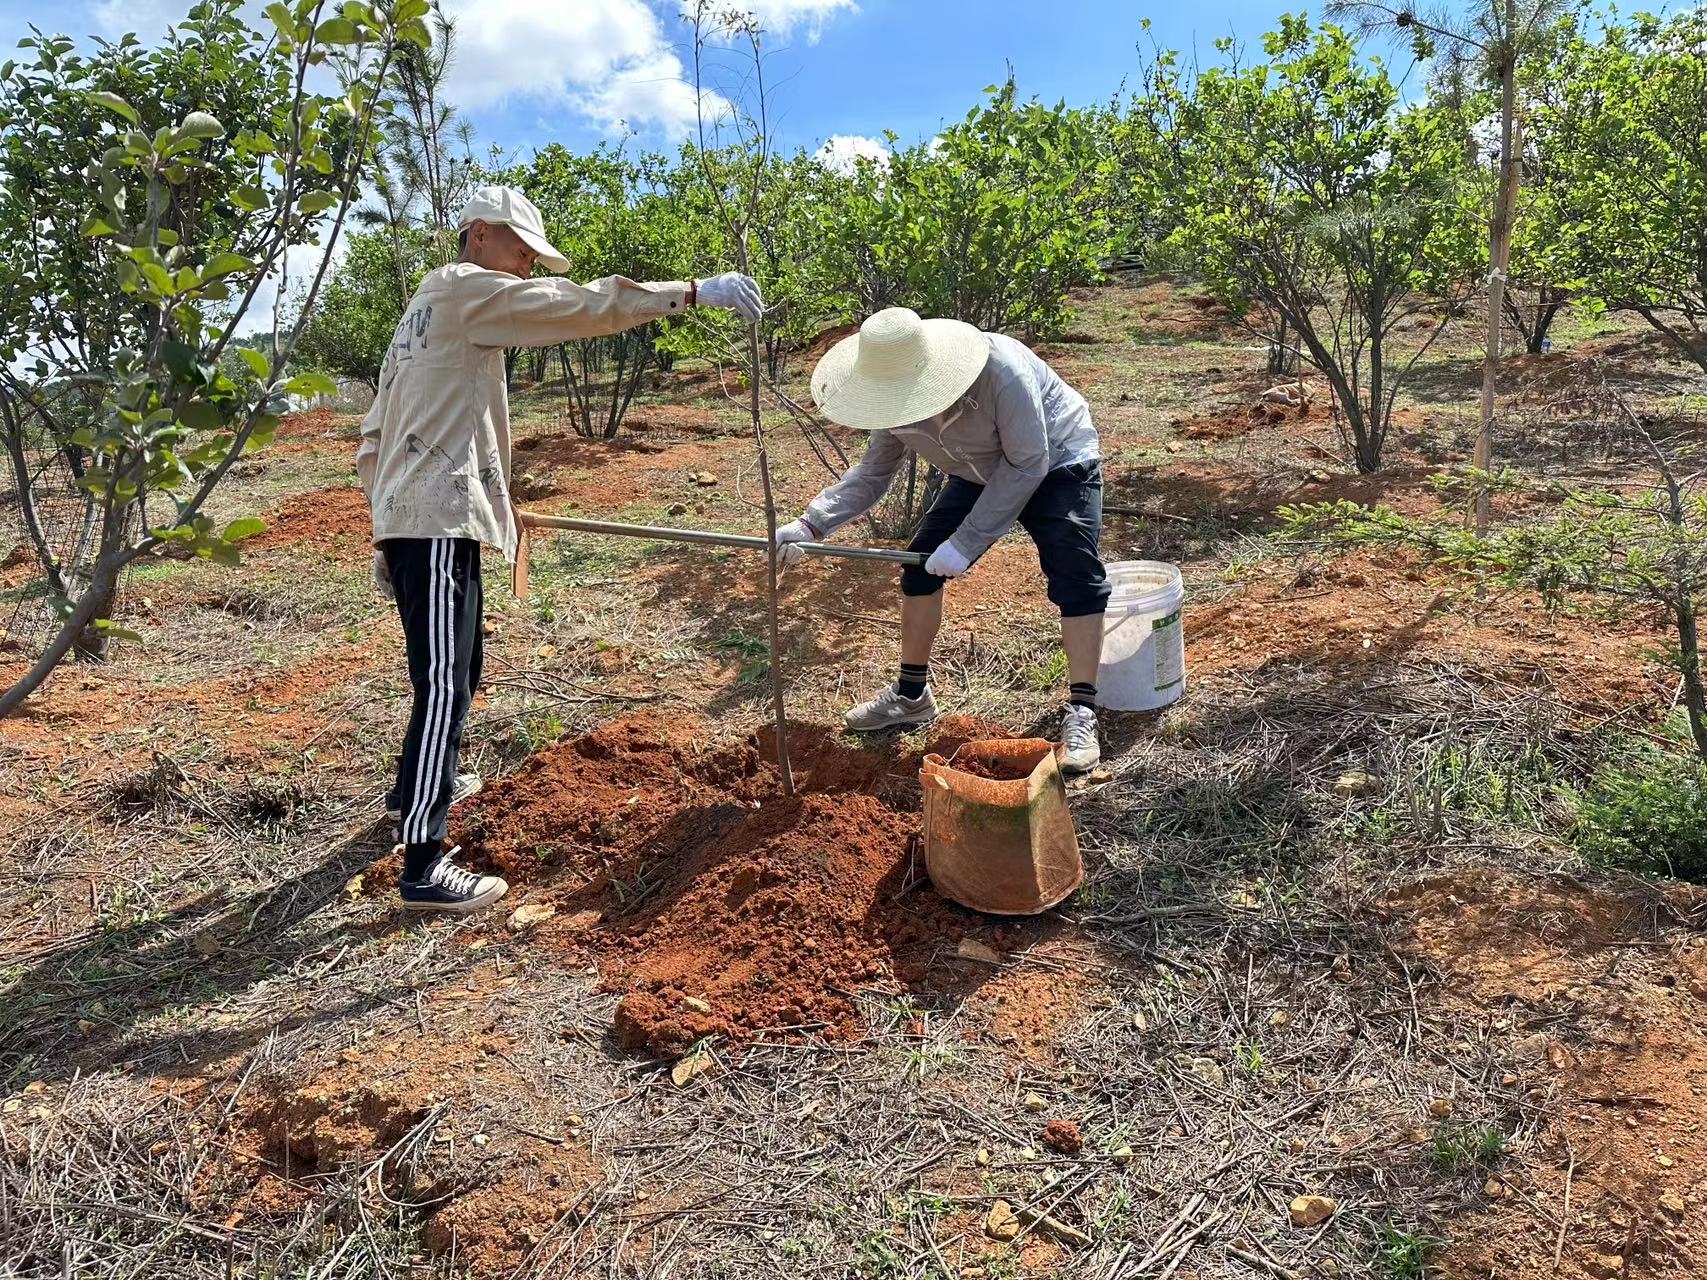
(309,424)
(727,908)
(1008,769)
(1227,424)
(334,522)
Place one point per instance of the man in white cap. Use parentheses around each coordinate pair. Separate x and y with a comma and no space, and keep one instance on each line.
(434,460)
(1018,447)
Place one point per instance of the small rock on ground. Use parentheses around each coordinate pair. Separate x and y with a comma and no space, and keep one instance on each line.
(1312,1211)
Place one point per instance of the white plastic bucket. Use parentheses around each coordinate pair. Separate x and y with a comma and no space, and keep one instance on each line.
(1143,639)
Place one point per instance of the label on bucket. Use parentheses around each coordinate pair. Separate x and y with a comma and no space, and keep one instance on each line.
(1167,639)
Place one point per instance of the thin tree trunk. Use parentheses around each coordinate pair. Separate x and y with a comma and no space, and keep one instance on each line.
(26,495)
(579,422)
(1499,258)
(1689,659)
(82,614)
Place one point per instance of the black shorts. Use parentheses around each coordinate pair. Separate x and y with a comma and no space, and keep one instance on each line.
(1064,519)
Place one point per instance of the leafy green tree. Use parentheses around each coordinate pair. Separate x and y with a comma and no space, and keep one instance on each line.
(991,222)
(351,324)
(1306,193)
(1144,139)
(611,214)
(189,213)
(1496,40)
(1624,128)
(425,168)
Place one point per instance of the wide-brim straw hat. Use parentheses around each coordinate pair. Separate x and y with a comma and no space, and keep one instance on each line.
(898,369)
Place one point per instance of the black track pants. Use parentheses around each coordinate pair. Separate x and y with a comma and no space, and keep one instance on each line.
(437,581)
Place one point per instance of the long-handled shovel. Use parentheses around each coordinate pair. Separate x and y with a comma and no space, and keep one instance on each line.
(532,520)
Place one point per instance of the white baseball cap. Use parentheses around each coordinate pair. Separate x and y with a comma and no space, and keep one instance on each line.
(508,207)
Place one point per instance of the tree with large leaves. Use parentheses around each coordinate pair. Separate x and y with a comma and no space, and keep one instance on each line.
(1306,193)
(991,222)
(1624,129)
(185,214)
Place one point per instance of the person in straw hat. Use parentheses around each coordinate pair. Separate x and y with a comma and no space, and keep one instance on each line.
(434,461)
(1018,447)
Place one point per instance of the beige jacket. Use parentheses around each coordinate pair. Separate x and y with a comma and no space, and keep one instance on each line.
(434,456)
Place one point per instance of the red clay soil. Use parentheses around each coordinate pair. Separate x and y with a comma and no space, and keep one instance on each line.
(555,473)
(1226,489)
(1369,609)
(1063,1136)
(727,908)
(313,424)
(1158,309)
(351,1111)
(997,770)
(1621,1109)
(332,522)
(1238,420)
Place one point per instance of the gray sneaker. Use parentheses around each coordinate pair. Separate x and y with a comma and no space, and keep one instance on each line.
(889,710)
(1079,734)
(466,784)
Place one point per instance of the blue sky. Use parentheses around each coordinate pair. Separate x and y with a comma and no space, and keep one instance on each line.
(535,71)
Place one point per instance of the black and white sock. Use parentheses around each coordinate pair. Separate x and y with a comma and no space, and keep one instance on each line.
(1084,693)
(914,675)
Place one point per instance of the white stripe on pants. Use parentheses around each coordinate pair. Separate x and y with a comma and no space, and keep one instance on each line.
(441,695)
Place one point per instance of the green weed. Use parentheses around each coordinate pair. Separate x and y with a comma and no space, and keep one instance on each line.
(542,730)
(1250,1056)
(1478,779)
(1460,1148)
(1403,1255)
(1645,811)
(753,653)
(1045,673)
(877,1258)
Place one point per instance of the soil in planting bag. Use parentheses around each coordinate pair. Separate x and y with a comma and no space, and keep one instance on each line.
(998,834)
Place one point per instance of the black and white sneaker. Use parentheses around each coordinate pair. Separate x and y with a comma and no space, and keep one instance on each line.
(466,784)
(447,887)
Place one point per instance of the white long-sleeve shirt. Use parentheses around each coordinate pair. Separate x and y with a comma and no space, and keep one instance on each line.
(1021,422)
(434,457)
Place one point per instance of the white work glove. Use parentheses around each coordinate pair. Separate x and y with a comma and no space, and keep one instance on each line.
(946,562)
(382,575)
(788,538)
(732,291)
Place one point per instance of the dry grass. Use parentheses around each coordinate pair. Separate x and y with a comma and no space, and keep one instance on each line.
(1221,1009)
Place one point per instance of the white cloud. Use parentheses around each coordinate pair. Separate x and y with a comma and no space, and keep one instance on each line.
(300,264)
(782,18)
(150,19)
(607,59)
(841,151)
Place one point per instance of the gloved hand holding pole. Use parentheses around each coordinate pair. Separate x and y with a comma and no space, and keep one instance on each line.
(731,291)
(789,551)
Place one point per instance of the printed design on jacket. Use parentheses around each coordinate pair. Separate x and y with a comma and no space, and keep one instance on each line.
(435,477)
(411,330)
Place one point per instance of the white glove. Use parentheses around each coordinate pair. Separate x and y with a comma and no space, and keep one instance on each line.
(382,575)
(788,538)
(946,562)
(733,292)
